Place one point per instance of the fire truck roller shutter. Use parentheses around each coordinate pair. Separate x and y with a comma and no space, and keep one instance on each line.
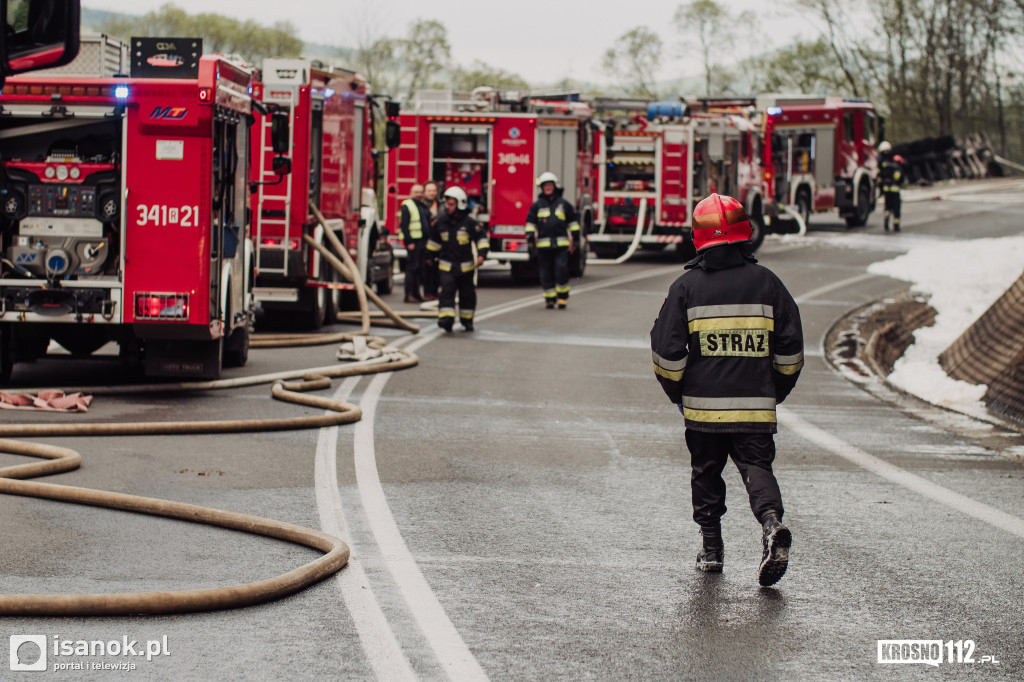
(557,153)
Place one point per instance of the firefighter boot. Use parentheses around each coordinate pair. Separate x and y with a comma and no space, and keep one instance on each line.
(776,540)
(895,224)
(711,556)
(562,303)
(466,322)
(446,323)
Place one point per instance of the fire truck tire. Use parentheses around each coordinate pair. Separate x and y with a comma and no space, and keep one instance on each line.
(803,206)
(6,358)
(859,217)
(756,230)
(236,348)
(312,307)
(608,251)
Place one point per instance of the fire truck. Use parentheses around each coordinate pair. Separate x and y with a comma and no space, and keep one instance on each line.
(123,212)
(657,160)
(330,118)
(818,155)
(494,145)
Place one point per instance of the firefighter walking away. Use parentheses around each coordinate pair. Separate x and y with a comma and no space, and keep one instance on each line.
(890,175)
(727,348)
(452,237)
(553,233)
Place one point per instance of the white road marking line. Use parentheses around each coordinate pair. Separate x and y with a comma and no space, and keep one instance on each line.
(451,651)
(375,635)
(814,293)
(901,477)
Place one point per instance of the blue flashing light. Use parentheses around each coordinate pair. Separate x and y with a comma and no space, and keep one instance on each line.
(328,93)
(121,92)
(771,111)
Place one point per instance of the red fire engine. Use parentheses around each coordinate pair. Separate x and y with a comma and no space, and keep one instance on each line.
(818,155)
(330,119)
(657,160)
(495,145)
(123,214)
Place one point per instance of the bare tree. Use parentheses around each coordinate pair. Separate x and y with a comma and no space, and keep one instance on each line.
(634,59)
(423,52)
(706,18)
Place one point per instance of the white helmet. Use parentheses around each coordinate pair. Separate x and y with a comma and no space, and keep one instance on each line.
(884,146)
(457,193)
(547,176)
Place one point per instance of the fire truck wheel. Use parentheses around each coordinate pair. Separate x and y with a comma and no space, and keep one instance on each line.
(756,231)
(387,283)
(312,307)
(236,349)
(578,260)
(6,364)
(803,207)
(859,217)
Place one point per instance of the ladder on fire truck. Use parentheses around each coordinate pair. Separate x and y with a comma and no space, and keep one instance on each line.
(408,162)
(673,170)
(274,209)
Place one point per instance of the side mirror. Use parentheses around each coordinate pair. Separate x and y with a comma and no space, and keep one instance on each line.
(38,34)
(392,109)
(280,123)
(392,134)
(609,135)
(281,165)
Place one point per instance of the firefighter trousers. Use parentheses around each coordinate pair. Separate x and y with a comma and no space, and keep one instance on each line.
(893,203)
(753,454)
(463,285)
(415,268)
(553,265)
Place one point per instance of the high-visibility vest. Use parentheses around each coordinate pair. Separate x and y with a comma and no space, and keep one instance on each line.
(415,225)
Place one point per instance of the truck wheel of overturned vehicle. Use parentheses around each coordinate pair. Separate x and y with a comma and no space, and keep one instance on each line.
(859,217)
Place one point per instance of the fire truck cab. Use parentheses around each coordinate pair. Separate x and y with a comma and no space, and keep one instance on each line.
(495,145)
(819,155)
(123,212)
(330,119)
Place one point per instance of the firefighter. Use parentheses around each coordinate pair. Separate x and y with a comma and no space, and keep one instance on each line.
(890,176)
(727,348)
(553,233)
(415,220)
(451,240)
(430,280)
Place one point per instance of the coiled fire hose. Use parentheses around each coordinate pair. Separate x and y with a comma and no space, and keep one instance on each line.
(59,460)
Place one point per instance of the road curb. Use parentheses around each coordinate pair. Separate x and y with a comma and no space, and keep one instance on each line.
(862,344)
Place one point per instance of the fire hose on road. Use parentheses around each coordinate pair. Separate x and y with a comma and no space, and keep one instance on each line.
(60,460)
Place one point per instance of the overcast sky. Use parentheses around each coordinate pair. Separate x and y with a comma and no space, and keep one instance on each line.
(541,40)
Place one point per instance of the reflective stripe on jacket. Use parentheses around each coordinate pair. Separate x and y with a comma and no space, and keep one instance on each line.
(727,344)
(552,222)
(451,239)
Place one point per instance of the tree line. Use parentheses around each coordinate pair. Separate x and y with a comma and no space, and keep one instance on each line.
(933,67)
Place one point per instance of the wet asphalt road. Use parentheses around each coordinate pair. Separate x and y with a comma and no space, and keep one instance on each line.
(518,506)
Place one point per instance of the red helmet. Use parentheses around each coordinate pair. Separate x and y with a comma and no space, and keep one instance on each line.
(719,219)
(898,158)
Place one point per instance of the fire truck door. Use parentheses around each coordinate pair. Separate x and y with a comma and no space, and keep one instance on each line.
(782,158)
(230,145)
(557,152)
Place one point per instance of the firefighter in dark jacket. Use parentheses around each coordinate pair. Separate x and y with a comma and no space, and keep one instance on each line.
(451,240)
(414,223)
(553,233)
(890,177)
(727,348)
